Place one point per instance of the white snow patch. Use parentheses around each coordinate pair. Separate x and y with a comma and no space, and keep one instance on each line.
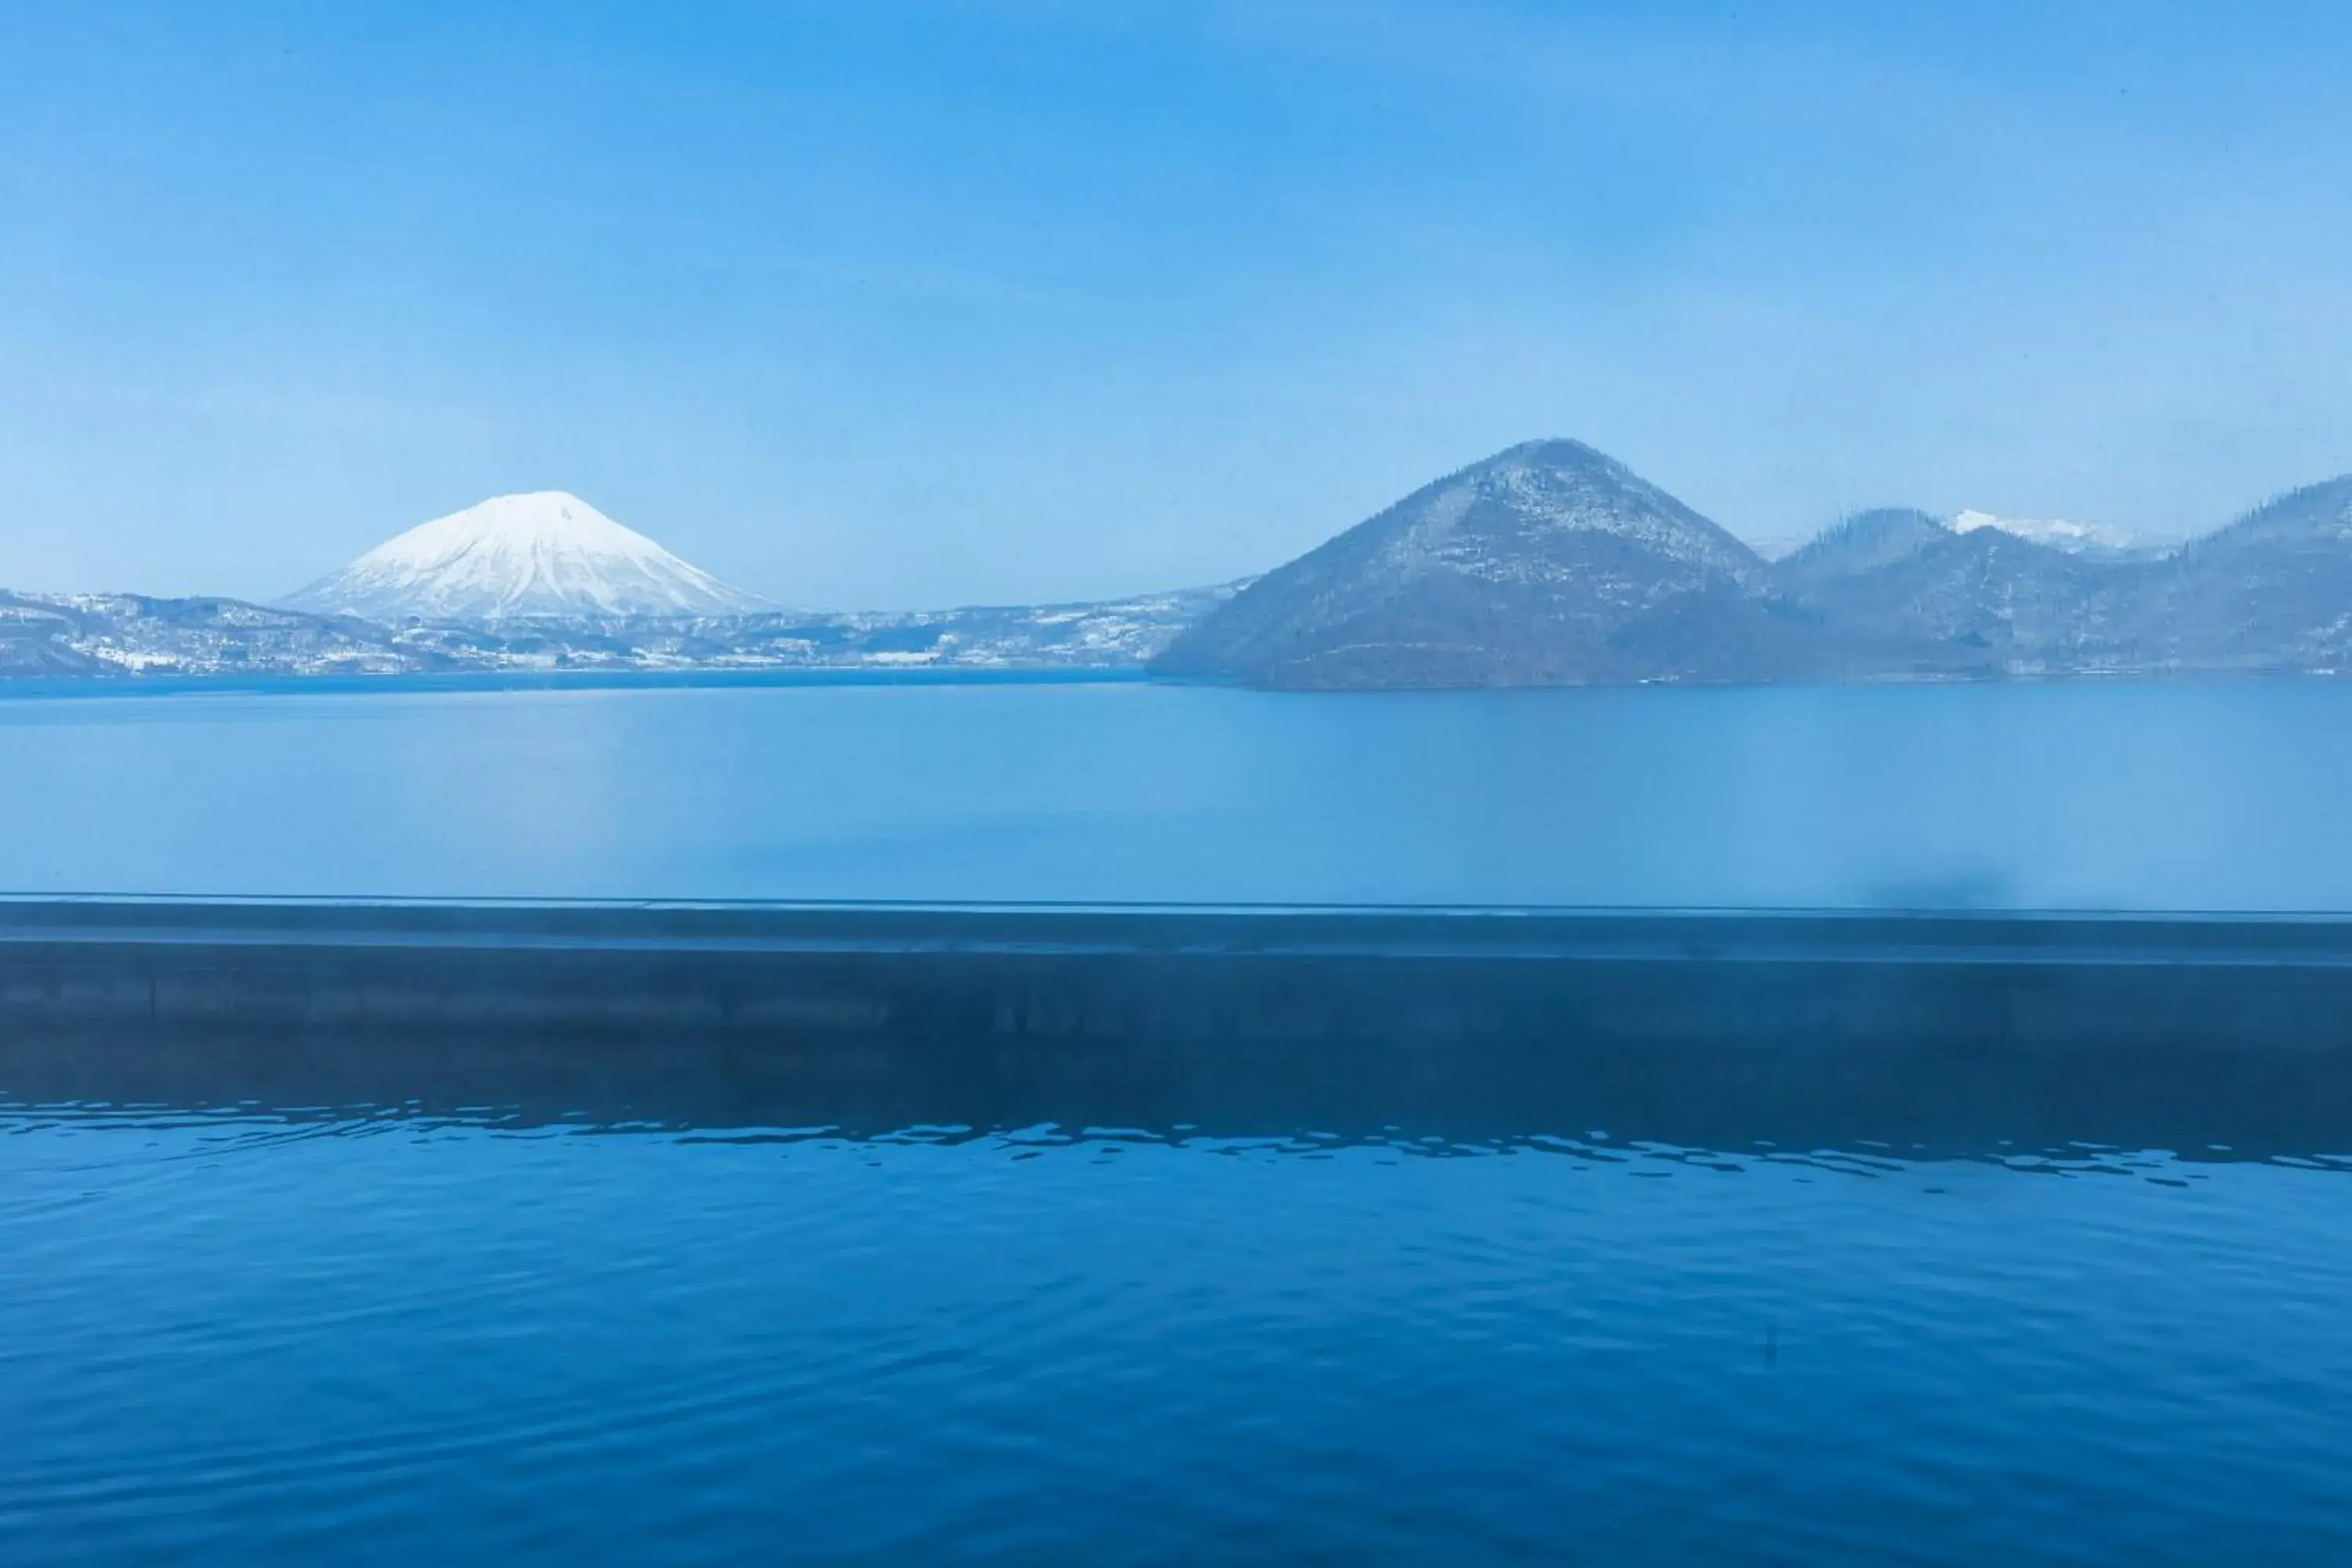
(2058,532)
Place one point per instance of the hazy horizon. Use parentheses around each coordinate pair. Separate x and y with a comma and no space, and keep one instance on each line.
(1018,303)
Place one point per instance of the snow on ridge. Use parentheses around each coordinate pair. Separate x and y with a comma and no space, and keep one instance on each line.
(545,552)
(2058,532)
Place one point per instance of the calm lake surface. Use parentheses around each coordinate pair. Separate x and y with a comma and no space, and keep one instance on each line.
(524,1310)
(2217,797)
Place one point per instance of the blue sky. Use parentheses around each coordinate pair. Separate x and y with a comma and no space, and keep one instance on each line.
(907,304)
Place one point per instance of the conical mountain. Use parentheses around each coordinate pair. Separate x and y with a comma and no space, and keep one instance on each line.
(1861,543)
(544,553)
(1545,563)
(2268,592)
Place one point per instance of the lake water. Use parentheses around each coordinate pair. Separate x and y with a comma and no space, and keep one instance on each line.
(2219,798)
(394,1335)
(529,1309)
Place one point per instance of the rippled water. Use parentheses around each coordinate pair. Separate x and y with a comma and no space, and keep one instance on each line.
(394,1332)
(447,1298)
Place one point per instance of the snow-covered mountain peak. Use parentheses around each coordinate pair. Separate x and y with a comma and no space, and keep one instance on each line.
(546,552)
(2059,534)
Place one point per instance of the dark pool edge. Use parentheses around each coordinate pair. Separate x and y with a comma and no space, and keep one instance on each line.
(1197,932)
(808,973)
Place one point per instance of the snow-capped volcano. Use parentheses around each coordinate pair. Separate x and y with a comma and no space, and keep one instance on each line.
(544,553)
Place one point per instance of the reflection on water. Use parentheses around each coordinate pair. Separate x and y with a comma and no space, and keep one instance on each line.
(2167,798)
(489,1300)
(227,1129)
(1964,1097)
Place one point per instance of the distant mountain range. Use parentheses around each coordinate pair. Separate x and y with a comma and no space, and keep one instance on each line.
(1550,563)
(129,635)
(2098,540)
(546,583)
